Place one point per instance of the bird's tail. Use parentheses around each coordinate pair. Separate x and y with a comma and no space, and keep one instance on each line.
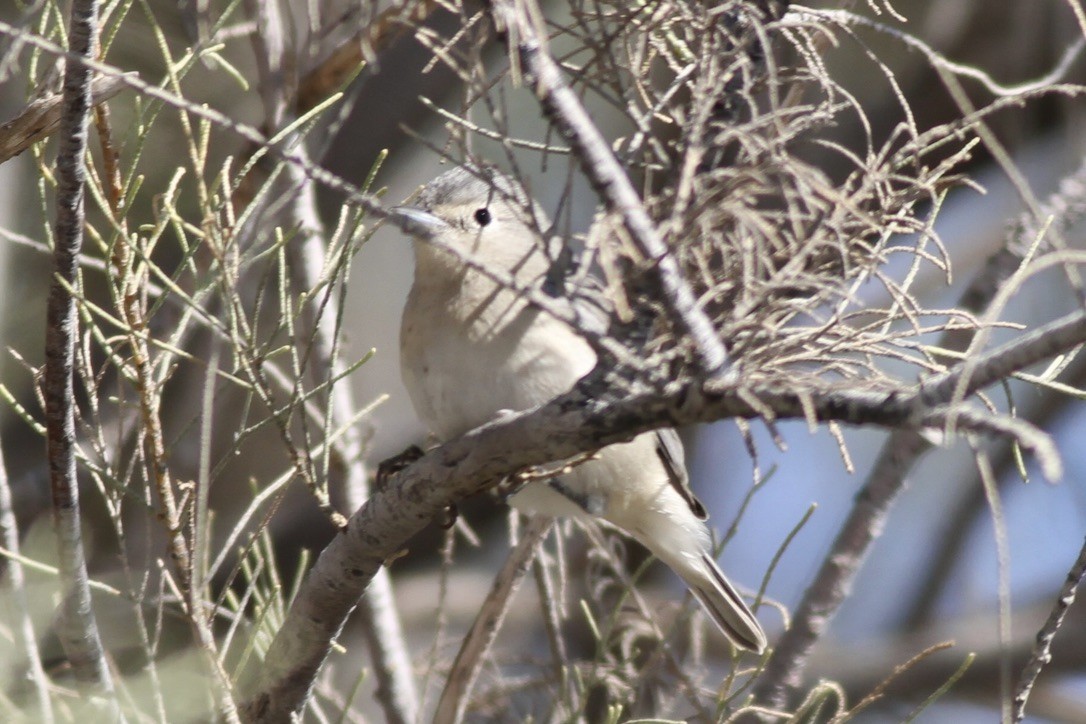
(723,603)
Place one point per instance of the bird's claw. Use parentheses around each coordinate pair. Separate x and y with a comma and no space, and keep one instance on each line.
(389,467)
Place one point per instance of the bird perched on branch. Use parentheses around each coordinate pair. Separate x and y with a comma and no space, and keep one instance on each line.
(472,347)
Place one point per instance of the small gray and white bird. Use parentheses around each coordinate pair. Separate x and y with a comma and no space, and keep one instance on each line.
(472,349)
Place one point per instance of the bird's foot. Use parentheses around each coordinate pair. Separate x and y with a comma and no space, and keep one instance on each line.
(389,467)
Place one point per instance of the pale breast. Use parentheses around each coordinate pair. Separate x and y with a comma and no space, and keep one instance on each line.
(462,370)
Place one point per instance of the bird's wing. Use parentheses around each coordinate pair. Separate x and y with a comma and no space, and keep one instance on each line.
(670,450)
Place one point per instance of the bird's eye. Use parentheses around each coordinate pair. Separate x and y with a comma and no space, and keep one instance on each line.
(482,216)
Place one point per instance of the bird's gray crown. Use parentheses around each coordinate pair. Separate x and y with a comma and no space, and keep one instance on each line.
(471,184)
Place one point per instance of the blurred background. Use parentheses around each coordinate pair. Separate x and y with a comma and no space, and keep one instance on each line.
(933,575)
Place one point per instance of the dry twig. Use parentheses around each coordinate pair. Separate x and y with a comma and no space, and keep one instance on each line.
(1042,650)
(41,118)
(378,613)
(473,650)
(520,21)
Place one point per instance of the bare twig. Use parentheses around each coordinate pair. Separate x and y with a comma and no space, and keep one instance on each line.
(937,60)
(1042,650)
(377,611)
(28,641)
(77,627)
(880,689)
(130,277)
(469,660)
(897,457)
(41,118)
(552,607)
(521,23)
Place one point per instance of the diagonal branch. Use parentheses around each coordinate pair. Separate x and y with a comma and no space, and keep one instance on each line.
(590,417)
(41,118)
(519,21)
(784,670)
(1042,650)
(469,660)
(1034,346)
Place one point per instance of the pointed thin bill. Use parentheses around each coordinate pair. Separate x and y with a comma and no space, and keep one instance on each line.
(416,221)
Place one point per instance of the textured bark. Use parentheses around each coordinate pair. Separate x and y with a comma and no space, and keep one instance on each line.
(588,418)
(76,627)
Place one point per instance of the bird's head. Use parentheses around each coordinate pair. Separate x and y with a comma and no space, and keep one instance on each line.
(474,213)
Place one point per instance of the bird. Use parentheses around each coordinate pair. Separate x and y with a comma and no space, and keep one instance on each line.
(473,349)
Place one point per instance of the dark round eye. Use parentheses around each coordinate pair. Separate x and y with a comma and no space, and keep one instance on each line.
(482,216)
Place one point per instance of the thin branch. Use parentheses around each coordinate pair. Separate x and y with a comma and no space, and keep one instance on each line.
(28,641)
(1034,346)
(130,278)
(41,118)
(1064,207)
(378,614)
(274,146)
(1042,650)
(958,525)
(77,628)
(900,453)
(469,660)
(832,584)
(999,531)
(551,605)
(564,108)
(937,60)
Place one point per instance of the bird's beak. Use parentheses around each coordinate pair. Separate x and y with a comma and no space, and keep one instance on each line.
(415,221)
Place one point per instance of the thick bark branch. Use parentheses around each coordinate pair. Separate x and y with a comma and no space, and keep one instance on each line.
(585,419)
(76,628)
